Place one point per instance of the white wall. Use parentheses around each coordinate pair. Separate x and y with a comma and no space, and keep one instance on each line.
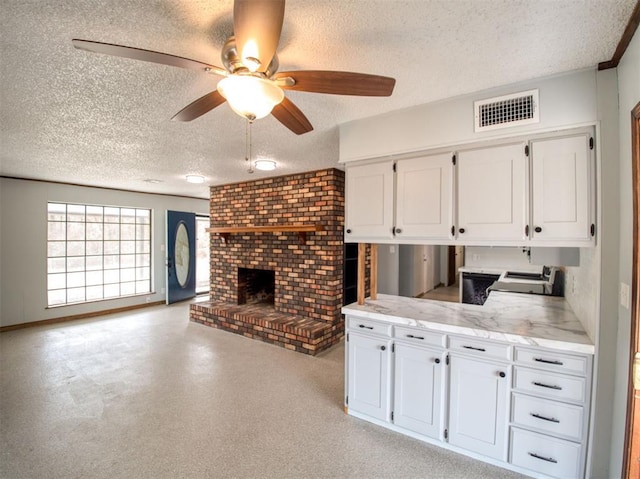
(628,97)
(388,269)
(565,100)
(23,244)
(501,257)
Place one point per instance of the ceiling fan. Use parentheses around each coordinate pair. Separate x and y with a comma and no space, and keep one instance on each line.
(252,86)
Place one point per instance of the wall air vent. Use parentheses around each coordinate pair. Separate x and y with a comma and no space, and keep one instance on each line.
(508,110)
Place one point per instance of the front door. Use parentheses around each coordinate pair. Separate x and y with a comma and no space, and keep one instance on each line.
(181,256)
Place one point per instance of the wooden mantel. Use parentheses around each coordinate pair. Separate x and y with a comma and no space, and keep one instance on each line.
(301,229)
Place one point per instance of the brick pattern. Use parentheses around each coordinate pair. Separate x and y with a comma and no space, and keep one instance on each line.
(308,277)
(262,322)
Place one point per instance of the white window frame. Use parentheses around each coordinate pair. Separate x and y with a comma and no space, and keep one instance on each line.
(97,252)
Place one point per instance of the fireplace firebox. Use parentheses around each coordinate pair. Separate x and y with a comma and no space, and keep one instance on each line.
(256,286)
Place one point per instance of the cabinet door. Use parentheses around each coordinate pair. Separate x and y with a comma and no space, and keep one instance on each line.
(478,406)
(369,201)
(561,189)
(492,193)
(424,197)
(417,394)
(368,375)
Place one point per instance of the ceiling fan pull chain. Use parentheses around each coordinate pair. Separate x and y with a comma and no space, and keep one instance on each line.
(248,146)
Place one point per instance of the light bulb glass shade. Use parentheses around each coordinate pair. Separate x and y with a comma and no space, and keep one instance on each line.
(265,165)
(249,96)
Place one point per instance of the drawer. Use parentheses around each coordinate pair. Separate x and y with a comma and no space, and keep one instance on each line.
(368,326)
(420,336)
(551,385)
(545,454)
(552,361)
(480,348)
(548,416)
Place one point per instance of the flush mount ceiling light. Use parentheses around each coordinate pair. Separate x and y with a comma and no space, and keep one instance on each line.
(265,165)
(251,97)
(197,179)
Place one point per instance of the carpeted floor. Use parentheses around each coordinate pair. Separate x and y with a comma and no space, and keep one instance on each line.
(149,394)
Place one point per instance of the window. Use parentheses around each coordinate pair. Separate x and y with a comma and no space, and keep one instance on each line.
(97,252)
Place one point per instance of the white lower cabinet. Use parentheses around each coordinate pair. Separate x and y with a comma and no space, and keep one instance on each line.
(368,369)
(478,402)
(545,454)
(417,396)
(525,408)
(549,412)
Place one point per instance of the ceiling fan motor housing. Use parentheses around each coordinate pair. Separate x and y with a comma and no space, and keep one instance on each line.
(233,63)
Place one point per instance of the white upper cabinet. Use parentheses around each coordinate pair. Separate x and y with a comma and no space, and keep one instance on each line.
(492,193)
(562,190)
(369,202)
(424,197)
(537,190)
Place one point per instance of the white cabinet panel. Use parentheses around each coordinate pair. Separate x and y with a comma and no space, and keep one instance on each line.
(492,193)
(424,197)
(418,389)
(369,201)
(545,454)
(561,189)
(368,372)
(552,417)
(478,406)
(551,385)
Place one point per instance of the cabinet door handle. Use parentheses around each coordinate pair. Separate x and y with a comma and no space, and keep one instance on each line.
(398,230)
(414,337)
(526,230)
(365,327)
(460,230)
(502,374)
(348,230)
(542,458)
(538,229)
(437,360)
(549,386)
(550,419)
(549,361)
(474,348)
(383,348)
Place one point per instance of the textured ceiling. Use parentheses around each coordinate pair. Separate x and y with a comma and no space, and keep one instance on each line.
(78,117)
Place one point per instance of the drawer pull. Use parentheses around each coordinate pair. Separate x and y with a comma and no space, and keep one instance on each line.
(548,361)
(415,337)
(474,348)
(550,419)
(366,327)
(542,458)
(550,386)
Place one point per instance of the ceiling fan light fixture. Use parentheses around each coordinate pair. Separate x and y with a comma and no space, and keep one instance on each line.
(265,165)
(250,96)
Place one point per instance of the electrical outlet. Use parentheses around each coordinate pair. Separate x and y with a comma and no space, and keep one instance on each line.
(624,295)
(475,257)
(392,249)
(148,299)
(162,291)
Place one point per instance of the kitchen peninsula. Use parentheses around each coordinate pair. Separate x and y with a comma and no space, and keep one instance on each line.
(508,382)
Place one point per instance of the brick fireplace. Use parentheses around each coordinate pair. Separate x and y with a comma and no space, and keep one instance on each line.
(275,286)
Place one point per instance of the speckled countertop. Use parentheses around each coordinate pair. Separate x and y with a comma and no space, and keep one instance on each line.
(524,319)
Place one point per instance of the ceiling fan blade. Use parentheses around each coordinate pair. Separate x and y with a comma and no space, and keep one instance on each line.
(199,107)
(338,83)
(145,55)
(257,25)
(290,116)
